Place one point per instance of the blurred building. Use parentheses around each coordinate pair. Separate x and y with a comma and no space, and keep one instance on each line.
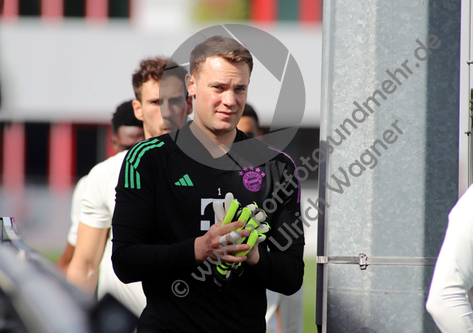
(66,64)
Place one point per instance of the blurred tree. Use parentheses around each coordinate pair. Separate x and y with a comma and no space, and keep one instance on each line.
(221,10)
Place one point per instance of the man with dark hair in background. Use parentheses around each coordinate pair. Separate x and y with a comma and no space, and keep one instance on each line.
(249,122)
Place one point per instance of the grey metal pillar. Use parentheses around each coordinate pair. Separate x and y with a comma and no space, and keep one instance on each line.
(390,90)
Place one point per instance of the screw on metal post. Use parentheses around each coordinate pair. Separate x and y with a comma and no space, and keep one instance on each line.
(363,261)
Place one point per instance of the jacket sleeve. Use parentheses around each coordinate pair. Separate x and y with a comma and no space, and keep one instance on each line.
(137,252)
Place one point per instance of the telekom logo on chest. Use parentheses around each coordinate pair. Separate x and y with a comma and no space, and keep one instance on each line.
(252,178)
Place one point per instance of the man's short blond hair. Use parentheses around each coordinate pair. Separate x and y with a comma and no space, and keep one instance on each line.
(225,47)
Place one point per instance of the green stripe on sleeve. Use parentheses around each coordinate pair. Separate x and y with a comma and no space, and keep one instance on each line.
(143,151)
(133,160)
(132,178)
(138,180)
(131,157)
(126,174)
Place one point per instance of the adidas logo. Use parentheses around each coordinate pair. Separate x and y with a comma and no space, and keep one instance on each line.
(184,181)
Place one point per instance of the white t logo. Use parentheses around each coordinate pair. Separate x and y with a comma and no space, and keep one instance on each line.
(205,224)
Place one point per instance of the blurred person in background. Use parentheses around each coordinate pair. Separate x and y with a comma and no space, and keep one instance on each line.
(451,291)
(284,313)
(160,113)
(127,130)
(249,122)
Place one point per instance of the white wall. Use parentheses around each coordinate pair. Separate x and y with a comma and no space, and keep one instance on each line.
(75,71)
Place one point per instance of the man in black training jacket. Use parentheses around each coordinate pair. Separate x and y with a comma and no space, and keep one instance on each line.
(163,230)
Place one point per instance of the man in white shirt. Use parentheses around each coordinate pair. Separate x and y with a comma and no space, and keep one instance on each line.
(161,112)
(451,295)
(127,130)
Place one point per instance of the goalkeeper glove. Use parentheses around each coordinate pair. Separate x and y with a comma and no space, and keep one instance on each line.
(254,221)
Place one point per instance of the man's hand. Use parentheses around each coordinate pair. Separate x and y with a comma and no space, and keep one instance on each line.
(254,223)
(210,245)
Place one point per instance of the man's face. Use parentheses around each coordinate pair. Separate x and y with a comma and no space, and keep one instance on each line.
(126,137)
(219,94)
(248,125)
(162,110)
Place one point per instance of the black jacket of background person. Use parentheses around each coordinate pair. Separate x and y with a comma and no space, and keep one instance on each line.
(158,216)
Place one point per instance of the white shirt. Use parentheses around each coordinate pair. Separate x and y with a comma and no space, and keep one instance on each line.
(75,210)
(450,296)
(97,206)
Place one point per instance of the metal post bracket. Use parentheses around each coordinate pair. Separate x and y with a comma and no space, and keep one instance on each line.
(364,261)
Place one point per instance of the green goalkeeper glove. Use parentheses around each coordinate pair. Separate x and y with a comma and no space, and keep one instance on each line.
(227,213)
(254,221)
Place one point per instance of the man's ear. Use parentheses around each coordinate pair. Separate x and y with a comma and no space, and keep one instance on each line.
(114,141)
(137,108)
(190,84)
(189,105)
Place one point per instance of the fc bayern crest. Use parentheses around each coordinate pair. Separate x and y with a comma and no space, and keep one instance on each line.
(252,178)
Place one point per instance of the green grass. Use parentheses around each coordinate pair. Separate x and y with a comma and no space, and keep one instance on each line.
(51,255)
(309,296)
